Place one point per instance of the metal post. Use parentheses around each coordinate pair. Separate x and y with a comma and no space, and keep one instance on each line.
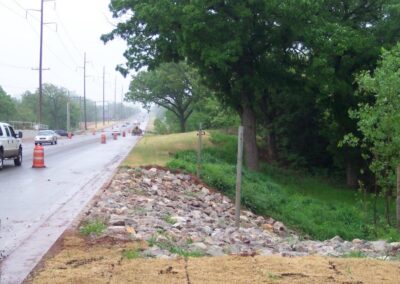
(200,133)
(239,176)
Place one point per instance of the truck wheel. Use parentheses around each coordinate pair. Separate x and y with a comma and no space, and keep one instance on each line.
(1,160)
(18,160)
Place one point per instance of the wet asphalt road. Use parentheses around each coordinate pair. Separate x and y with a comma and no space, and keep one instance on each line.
(37,205)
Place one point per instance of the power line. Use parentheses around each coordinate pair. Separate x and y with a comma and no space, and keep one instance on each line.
(11,10)
(19,5)
(13,66)
(66,48)
(51,51)
(68,35)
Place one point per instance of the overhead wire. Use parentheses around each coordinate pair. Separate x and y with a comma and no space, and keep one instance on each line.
(14,66)
(58,37)
(68,35)
(11,10)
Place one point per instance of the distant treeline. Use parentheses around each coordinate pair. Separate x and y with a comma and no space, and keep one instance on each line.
(54,108)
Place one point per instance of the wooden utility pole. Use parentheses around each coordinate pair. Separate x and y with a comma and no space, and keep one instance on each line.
(68,115)
(104,92)
(398,198)
(84,90)
(200,133)
(239,176)
(115,99)
(40,98)
(40,66)
(122,102)
(95,115)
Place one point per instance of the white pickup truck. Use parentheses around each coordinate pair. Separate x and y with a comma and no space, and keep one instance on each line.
(10,145)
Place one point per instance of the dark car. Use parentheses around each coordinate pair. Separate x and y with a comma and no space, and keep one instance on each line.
(62,132)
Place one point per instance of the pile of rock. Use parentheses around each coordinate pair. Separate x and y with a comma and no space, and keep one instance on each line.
(176,216)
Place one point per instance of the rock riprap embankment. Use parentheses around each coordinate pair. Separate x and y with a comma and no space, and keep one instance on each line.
(178,216)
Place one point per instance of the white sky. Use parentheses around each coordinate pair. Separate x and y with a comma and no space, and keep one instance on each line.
(80,23)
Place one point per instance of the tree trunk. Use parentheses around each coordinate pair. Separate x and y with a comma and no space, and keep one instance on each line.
(250,144)
(387,207)
(271,147)
(375,208)
(351,175)
(398,198)
(182,123)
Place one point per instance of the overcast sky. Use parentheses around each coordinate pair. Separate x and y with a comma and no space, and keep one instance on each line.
(80,23)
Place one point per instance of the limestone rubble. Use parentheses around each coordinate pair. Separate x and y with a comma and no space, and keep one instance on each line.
(178,216)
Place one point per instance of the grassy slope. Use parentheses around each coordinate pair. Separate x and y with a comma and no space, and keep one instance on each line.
(308,204)
(159,149)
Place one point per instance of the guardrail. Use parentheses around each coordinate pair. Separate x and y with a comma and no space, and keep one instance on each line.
(20,125)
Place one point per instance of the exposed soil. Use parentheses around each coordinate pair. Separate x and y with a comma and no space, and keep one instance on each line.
(79,260)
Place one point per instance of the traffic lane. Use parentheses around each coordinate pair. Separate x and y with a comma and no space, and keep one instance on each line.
(63,145)
(29,195)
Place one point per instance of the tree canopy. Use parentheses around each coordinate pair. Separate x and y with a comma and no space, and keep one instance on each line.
(174,86)
(7,107)
(280,64)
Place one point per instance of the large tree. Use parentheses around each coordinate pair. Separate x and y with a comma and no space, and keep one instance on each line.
(346,39)
(378,119)
(252,53)
(55,106)
(174,86)
(7,106)
(231,43)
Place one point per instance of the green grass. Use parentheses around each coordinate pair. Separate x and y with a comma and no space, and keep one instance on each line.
(273,276)
(131,254)
(159,149)
(172,247)
(310,204)
(355,254)
(169,219)
(95,227)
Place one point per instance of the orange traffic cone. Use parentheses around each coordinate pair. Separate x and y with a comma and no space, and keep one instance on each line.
(38,157)
(103,138)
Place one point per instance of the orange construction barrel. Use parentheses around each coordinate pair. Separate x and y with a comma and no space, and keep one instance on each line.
(38,157)
(103,138)
(123,134)
(69,135)
(115,136)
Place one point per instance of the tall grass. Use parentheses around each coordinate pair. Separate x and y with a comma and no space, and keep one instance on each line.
(311,205)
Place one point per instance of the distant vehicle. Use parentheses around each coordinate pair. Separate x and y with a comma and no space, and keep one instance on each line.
(63,132)
(46,136)
(116,130)
(136,131)
(10,145)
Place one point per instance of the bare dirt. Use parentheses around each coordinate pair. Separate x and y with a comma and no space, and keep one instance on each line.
(75,259)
